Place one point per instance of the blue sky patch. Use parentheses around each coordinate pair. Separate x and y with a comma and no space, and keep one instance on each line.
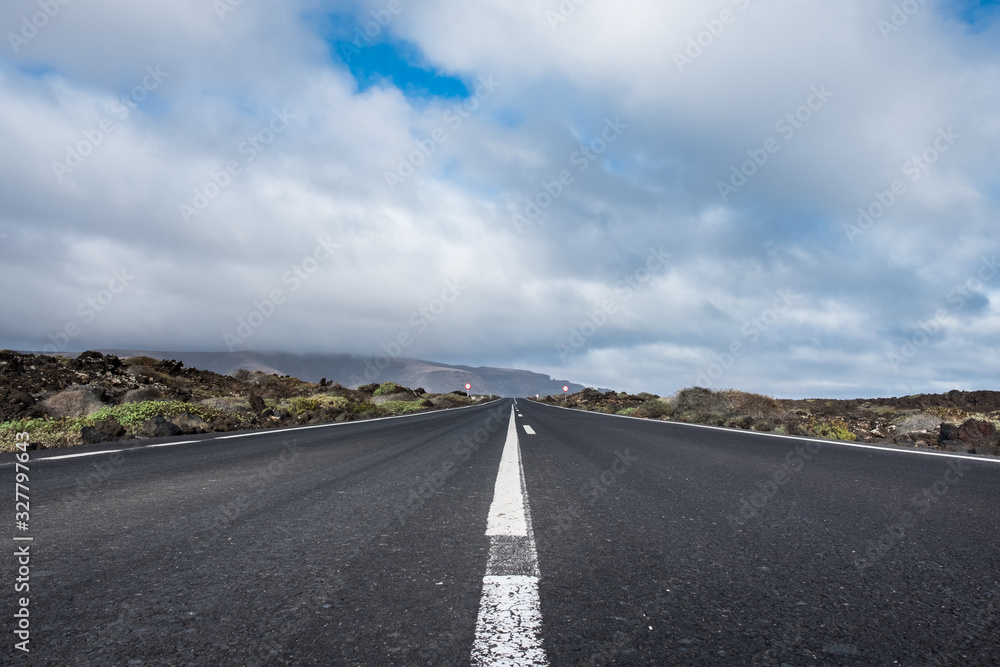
(37,70)
(397,64)
(977,13)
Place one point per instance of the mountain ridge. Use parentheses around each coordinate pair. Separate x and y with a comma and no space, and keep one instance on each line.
(352,371)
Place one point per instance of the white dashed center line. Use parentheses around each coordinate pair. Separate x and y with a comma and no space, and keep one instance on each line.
(508,629)
(529,430)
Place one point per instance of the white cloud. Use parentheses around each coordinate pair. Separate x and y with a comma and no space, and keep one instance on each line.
(655,184)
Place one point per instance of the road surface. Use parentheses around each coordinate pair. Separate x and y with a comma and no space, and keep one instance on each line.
(611,541)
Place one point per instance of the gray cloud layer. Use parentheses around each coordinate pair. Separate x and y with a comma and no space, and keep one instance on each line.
(237,177)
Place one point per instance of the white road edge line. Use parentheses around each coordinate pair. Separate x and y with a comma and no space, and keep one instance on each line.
(76,456)
(799,438)
(170,444)
(528,429)
(289,429)
(508,627)
(243,435)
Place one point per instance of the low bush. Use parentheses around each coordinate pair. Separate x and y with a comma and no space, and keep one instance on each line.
(240,375)
(654,408)
(76,401)
(133,415)
(387,388)
(365,408)
(229,403)
(299,404)
(64,432)
(835,429)
(41,432)
(401,407)
(918,422)
(701,406)
(757,406)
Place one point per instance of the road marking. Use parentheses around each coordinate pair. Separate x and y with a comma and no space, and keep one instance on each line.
(76,456)
(767,434)
(247,435)
(529,430)
(289,429)
(509,623)
(109,451)
(508,628)
(507,516)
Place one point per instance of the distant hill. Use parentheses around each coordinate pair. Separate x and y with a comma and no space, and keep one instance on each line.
(352,371)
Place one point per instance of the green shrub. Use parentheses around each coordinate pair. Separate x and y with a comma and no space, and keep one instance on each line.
(387,388)
(401,407)
(654,408)
(47,432)
(832,430)
(628,412)
(741,421)
(65,432)
(336,402)
(133,415)
(367,408)
(700,406)
(300,404)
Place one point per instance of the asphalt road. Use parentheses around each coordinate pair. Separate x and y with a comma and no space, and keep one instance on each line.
(365,544)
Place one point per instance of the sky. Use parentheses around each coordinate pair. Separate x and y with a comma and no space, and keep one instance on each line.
(795,198)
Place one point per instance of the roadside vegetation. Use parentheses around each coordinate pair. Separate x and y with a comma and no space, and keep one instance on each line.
(62,402)
(955,421)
